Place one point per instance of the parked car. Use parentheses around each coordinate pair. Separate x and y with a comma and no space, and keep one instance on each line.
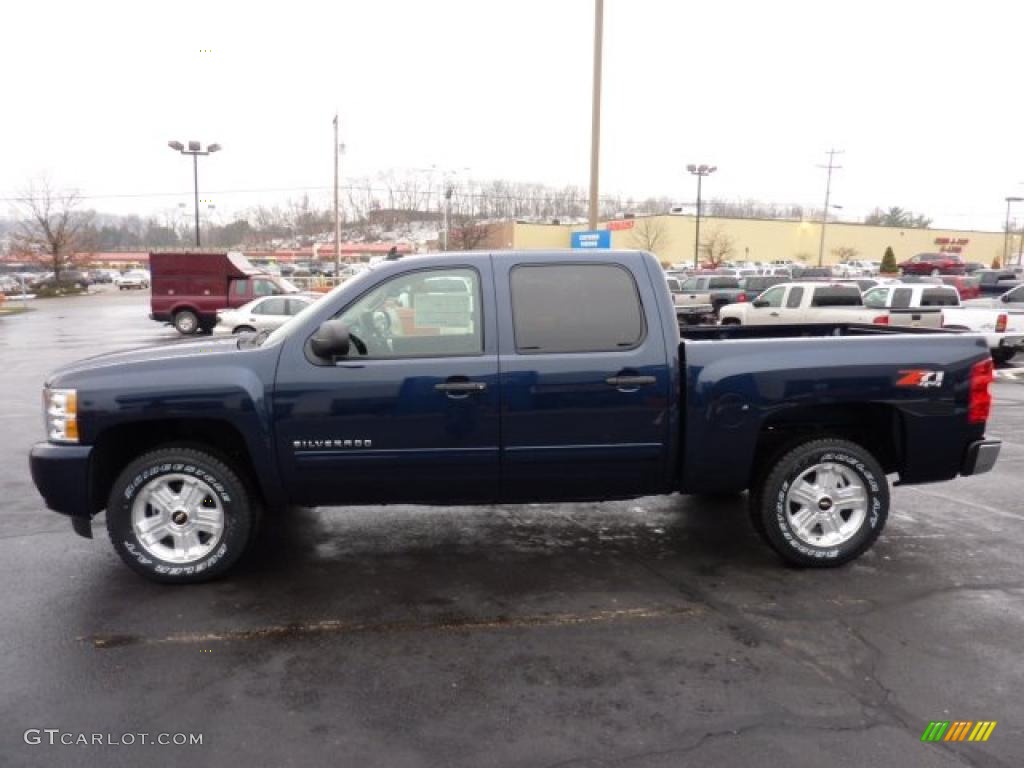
(968,286)
(1011,300)
(812,273)
(68,278)
(133,278)
(264,314)
(932,264)
(557,377)
(862,283)
(189,287)
(1003,337)
(801,303)
(996,281)
(857,268)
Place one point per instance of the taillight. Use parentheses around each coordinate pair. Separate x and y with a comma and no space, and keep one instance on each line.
(979,402)
(741,297)
(881,320)
(1000,323)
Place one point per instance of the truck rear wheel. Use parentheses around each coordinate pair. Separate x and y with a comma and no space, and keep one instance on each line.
(180,515)
(186,322)
(822,504)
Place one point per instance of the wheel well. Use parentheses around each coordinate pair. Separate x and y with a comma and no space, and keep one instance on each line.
(876,427)
(120,445)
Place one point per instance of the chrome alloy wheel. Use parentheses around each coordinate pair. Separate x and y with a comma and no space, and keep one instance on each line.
(177,518)
(826,505)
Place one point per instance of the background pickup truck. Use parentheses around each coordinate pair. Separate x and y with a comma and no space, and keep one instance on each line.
(716,290)
(545,377)
(1003,330)
(819,302)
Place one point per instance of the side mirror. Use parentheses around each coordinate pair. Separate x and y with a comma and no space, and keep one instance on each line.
(760,303)
(1005,297)
(331,340)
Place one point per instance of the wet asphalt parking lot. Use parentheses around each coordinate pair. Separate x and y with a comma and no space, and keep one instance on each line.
(654,632)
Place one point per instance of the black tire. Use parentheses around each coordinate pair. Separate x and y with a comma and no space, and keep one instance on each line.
(771,518)
(730,321)
(1003,354)
(243,329)
(241,514)
(186,322)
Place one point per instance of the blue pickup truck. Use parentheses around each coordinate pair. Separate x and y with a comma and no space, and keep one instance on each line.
(507,377)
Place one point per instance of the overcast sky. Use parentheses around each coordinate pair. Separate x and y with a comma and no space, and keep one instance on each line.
(924,97)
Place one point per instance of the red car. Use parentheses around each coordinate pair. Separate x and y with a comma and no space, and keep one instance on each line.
(967,287)
(933,264)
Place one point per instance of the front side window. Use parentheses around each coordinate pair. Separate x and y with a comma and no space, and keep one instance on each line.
(429,313)
(575,308)
(240,287)
(876,299)
(690,285)
(772,297)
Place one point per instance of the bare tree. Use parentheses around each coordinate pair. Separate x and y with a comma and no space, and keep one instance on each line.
(717,246)
(650,234)
(845,253)
(469,235)
(51,230)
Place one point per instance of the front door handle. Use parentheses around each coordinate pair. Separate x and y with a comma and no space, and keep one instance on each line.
(774,314)
(460,388)
(629,381)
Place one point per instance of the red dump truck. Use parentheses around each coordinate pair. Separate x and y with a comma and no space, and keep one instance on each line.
(190,286)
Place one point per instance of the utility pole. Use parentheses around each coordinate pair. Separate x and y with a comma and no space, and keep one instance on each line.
(447,212)
(595,113)
(337,214)
(1006,235)
(828,191)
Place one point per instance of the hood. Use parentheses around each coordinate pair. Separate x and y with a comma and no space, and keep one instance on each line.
(149,354)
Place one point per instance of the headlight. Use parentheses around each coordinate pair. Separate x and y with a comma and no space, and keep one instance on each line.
(61,406)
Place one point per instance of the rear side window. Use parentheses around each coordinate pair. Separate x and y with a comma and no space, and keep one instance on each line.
(901,298)
(575,308)
(937,297)
(795,294)
(836,296)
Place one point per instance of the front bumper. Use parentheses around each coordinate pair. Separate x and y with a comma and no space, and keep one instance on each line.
(61,474)
(981,457)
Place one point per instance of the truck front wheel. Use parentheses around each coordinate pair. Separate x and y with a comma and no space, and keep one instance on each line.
(180,515)
(822,504)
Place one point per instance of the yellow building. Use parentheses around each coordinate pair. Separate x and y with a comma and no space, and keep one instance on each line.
(671,237)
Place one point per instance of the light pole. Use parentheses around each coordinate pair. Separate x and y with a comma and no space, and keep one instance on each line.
(700,171)
(1006,237)
(195,149)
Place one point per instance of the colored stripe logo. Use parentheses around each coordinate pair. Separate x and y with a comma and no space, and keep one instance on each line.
(958,730)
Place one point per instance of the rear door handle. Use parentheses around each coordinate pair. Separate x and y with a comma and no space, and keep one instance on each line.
(630,381)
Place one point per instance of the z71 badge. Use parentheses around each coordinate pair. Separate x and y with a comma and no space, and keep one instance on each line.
(920,379)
